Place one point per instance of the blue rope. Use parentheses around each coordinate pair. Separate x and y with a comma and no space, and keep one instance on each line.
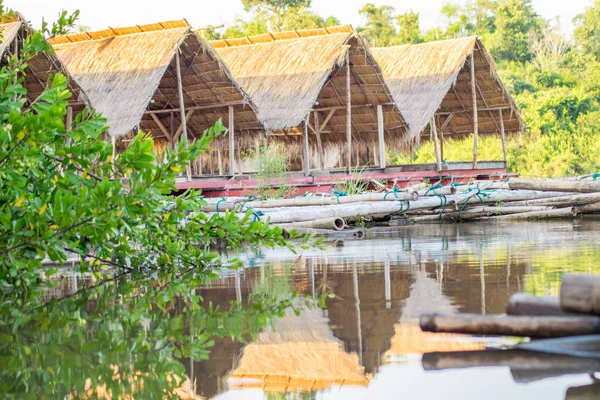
(219,202)
(596,176)
(339,194)
(394,191)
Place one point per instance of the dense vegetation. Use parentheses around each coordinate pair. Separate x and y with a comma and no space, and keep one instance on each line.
(554,78)
(139,250)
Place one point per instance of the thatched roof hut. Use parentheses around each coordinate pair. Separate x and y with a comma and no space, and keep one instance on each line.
(130,75)
(14,29)
(434,79)
(299,79)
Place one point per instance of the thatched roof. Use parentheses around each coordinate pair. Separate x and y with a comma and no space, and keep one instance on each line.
(435,77)
(14,29)
(130,76)
(290,74)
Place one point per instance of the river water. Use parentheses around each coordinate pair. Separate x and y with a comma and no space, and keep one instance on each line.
(365,341)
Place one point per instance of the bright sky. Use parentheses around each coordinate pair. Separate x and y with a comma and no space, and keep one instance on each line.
(100,14)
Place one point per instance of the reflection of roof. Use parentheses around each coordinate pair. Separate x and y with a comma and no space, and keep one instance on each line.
(409,339)
(425,296)
(300,354)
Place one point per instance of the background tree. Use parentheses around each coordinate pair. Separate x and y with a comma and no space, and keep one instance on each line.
(409,30)
(587,31)
(379,29)
(275,10)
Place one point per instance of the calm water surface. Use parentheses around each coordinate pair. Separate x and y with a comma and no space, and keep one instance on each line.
(365,342)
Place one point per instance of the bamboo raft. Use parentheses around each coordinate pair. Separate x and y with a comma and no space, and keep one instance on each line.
(515,199)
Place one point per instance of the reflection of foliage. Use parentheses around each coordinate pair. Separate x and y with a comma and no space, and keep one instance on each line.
(291,396)
(274,282)
(129,326)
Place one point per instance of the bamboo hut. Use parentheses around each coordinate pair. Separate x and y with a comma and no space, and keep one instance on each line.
(14,30)
(146,77)
(449,88)
(321,92)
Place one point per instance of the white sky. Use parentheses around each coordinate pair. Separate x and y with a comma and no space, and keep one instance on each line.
(100,14)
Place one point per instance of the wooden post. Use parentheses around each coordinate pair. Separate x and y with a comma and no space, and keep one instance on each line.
(172,128)
(220,156)
(438,156)
(381,136)
(182,109)
(319,143)
(305,160)
(113,141)
(231,142)
(348,115)
(503,136)
(442,144)
(69,121)
(475,116)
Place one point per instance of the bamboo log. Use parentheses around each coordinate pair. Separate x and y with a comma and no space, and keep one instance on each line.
(580,293)
(466,215)
(593,208)
(499,325)
(555,185)
(441,191)
(335,223)
(569,212)
(332,200)
(357,233)
(562,201)
(526,304)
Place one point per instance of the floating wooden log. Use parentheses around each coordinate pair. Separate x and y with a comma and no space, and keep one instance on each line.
(580,293)
(593,208)
(350,233)
(586,392)
(499,325)
(466,215)
(555,185)
(562,201)
(558,213)
(335,223)
(526,304)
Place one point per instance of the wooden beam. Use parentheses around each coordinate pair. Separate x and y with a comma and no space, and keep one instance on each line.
(475,116)
(327,118)
(438,155)
(305,153)
(348,114)
(180,129)
(208,107)
(381,137)
(320,154)
(468,111)
(161,126)
(447,121)
(503,136)
(231,127)
(182,109)
(220,156)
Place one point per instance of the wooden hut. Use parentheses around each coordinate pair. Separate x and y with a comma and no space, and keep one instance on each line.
(14,30)
(146,77)
(449,87)
(318,90)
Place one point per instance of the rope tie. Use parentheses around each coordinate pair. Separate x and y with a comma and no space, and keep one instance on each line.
(339,194)
(219,202)
(255,213)
(596,176)
(394,191)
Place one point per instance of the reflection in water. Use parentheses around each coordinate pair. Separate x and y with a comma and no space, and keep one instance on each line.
(381,285)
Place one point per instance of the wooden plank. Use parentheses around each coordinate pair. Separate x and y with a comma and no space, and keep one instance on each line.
(207,107)
(381,137)
(231,127)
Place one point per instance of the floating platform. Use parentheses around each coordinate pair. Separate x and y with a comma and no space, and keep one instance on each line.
(326,181)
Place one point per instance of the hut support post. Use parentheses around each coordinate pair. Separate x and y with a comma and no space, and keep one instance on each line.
(319,143)
(69,121)
(475,116)
(182,109)
(436,142)
(381,137)
(503,136)
(348,115)
(231,142)
(220,157)
(305,160)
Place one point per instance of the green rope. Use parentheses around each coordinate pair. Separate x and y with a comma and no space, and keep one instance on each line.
(339,194)
(395,192)
(255,213)
(596,176)
(219,202)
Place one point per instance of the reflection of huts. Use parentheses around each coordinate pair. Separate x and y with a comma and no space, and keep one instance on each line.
(320,91)
(14,30)
(299,354)
(134,75)
(434,82)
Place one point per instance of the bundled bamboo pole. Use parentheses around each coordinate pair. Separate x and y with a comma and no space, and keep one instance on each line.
(499,325)
(334,223)
(562,201)
(593,208)
(555,185)
(569,212)
(580,293)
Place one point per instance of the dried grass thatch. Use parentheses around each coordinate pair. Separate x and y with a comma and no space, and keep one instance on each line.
(294,76)
(130,76)
(435,79)
(14,28)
